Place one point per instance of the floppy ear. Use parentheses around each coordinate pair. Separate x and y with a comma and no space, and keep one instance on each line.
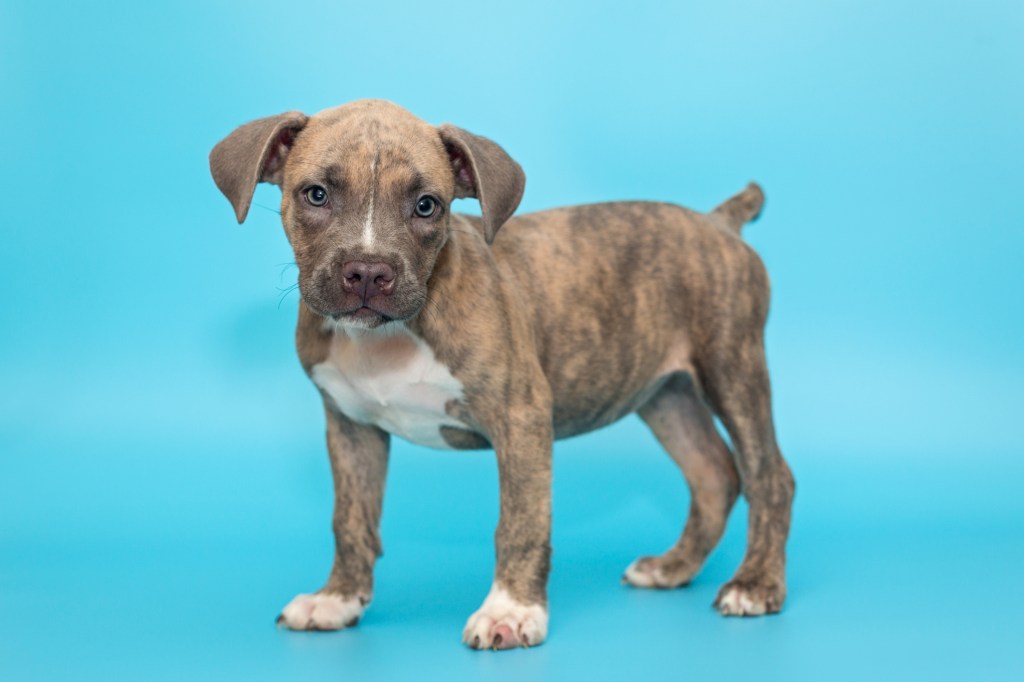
(485,171)
(254,152)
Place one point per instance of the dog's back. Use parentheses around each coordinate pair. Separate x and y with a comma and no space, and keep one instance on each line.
(593,275)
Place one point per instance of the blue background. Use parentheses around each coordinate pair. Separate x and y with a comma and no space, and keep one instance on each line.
(164,489)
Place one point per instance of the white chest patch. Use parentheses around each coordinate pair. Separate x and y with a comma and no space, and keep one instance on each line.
(392,380)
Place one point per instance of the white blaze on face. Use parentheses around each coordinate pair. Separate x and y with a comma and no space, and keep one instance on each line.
(368,223)
(390,378)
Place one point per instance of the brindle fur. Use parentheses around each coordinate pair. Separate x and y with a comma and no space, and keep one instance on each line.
(571,319)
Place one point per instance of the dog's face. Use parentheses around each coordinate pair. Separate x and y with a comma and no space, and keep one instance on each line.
(365,202)
(366,196)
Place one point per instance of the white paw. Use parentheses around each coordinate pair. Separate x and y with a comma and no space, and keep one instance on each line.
(322,612)
(504,623)
(736,602)
(640,574)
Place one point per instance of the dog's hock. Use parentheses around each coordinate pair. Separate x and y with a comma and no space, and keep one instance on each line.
(255,152)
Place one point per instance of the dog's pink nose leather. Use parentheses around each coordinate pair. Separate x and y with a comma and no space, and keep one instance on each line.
(368,279)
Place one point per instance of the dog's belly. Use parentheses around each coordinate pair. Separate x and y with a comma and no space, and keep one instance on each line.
(393,382)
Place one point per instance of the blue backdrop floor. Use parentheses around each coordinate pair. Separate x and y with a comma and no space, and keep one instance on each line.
(141,561)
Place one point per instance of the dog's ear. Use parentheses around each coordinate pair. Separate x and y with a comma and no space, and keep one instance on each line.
(485,171)
(254,152)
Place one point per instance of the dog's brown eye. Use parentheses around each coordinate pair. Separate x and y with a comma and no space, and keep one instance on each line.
(316,195)
(426,206)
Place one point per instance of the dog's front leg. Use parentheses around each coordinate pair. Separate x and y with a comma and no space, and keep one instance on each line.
(515,612)
(359,457)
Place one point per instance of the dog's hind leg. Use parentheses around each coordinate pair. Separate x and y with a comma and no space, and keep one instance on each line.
(736,381)
(683,425)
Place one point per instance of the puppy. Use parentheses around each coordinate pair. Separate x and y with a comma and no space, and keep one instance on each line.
(432,326)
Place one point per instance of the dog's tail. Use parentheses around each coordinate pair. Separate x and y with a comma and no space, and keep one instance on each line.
(738,210)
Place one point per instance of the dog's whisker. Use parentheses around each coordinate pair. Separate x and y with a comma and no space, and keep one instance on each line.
(267,208)
(284,293)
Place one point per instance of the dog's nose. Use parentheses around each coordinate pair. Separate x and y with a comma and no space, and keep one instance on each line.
(368,279)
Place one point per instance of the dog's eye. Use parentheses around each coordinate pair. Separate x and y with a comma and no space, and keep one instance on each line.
(316,195)
(426,206)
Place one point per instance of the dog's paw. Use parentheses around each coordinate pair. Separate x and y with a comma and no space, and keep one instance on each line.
(322,611)
(750,598)
(657,572)
(504,623)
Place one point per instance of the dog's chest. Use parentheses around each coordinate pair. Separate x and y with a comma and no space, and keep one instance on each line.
(392,381)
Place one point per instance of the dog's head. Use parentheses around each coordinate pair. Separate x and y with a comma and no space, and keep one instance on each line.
(366,198)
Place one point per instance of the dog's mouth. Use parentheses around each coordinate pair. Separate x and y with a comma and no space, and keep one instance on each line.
(358,311)
(365,312)
(364,315)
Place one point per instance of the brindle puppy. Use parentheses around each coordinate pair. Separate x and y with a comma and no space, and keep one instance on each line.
(429,325)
